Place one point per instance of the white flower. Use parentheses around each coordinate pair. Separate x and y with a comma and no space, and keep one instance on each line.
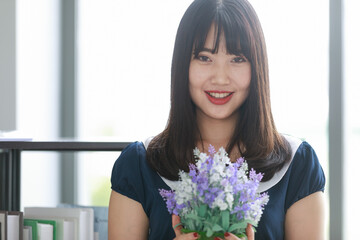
(228,172)
(219,202)
(220,169)
(214,178)
(228,188)
(196,152)
(202,159)
(244,167)
(223,155)
(230,199)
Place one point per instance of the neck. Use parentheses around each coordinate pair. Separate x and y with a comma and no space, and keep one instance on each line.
(216,132)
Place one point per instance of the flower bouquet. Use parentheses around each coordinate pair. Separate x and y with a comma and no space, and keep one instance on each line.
(216,196)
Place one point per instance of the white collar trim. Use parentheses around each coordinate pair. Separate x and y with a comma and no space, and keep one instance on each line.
(294,143)
(263,186)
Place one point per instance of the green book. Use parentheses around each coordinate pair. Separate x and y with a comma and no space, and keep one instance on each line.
(33,223)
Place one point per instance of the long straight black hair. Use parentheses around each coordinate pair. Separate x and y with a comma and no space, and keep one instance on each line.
(264,148)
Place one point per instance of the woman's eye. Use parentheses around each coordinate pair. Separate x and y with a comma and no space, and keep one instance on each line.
(239,59)
(203,58)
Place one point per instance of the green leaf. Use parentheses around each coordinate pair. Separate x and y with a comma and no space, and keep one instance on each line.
(242,225)
(209,232)
(189,223)
(202,210)
(208,224)
(217,228)
(225,219)
(193,216)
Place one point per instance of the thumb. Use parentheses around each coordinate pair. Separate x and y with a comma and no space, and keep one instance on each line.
(176,221)
(177,230)
(250,232)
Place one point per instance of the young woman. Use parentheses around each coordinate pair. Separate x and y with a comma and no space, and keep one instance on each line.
(219,96)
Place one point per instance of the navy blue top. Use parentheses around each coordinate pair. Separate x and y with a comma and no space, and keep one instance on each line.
(133,177)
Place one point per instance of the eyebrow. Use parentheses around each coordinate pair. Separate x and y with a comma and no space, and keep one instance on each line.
(206,50)
(238,52)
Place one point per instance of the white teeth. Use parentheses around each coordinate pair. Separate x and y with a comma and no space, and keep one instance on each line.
(219,95)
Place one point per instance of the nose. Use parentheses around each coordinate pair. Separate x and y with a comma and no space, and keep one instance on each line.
(220,75)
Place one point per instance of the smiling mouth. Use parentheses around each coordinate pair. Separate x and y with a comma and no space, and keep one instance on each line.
(219,97)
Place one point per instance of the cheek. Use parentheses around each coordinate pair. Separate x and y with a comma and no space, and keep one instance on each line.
(192,82)
(247,81)
(196,77)
(244,80)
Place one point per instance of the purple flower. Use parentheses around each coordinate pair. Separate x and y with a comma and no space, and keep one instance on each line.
(213,185)
(193,172)
(255,177)
(212,150)
(169,198)
(239,162)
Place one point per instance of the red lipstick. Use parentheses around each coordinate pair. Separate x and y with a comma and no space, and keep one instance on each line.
(219,97)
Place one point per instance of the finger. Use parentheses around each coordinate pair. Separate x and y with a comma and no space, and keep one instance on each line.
(175,221)
(188,236)
(250,232)
(230,236)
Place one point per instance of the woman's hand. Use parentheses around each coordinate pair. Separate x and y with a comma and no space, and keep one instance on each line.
(228,236)
(179,234)
(249,233)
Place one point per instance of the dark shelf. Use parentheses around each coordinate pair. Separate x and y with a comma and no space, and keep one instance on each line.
(63,145)
(10,162)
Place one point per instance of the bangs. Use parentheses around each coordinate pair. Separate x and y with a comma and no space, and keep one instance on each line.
(226,23)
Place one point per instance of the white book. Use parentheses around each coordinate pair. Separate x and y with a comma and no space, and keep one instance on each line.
(27,233)
(13,227)
(83,227)
(59,225)
(100,218)
(69,230)
(3,227)
(89,226)
(45,231)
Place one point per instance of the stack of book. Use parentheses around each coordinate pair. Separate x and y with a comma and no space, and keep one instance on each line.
(66,222)
(11,225)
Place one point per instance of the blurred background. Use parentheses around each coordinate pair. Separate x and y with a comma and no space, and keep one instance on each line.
(100,70)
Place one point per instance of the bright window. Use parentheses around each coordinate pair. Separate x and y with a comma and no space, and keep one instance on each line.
(37,34)
(124,58)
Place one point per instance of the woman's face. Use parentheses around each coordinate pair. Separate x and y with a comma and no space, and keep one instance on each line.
(218,83)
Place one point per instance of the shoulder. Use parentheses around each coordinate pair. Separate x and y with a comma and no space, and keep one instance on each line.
(295,144)
(303,156)
(135,148)
(306,166)
(306,175)
(303,163)
(300,177)
(130,156)
(126,173)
